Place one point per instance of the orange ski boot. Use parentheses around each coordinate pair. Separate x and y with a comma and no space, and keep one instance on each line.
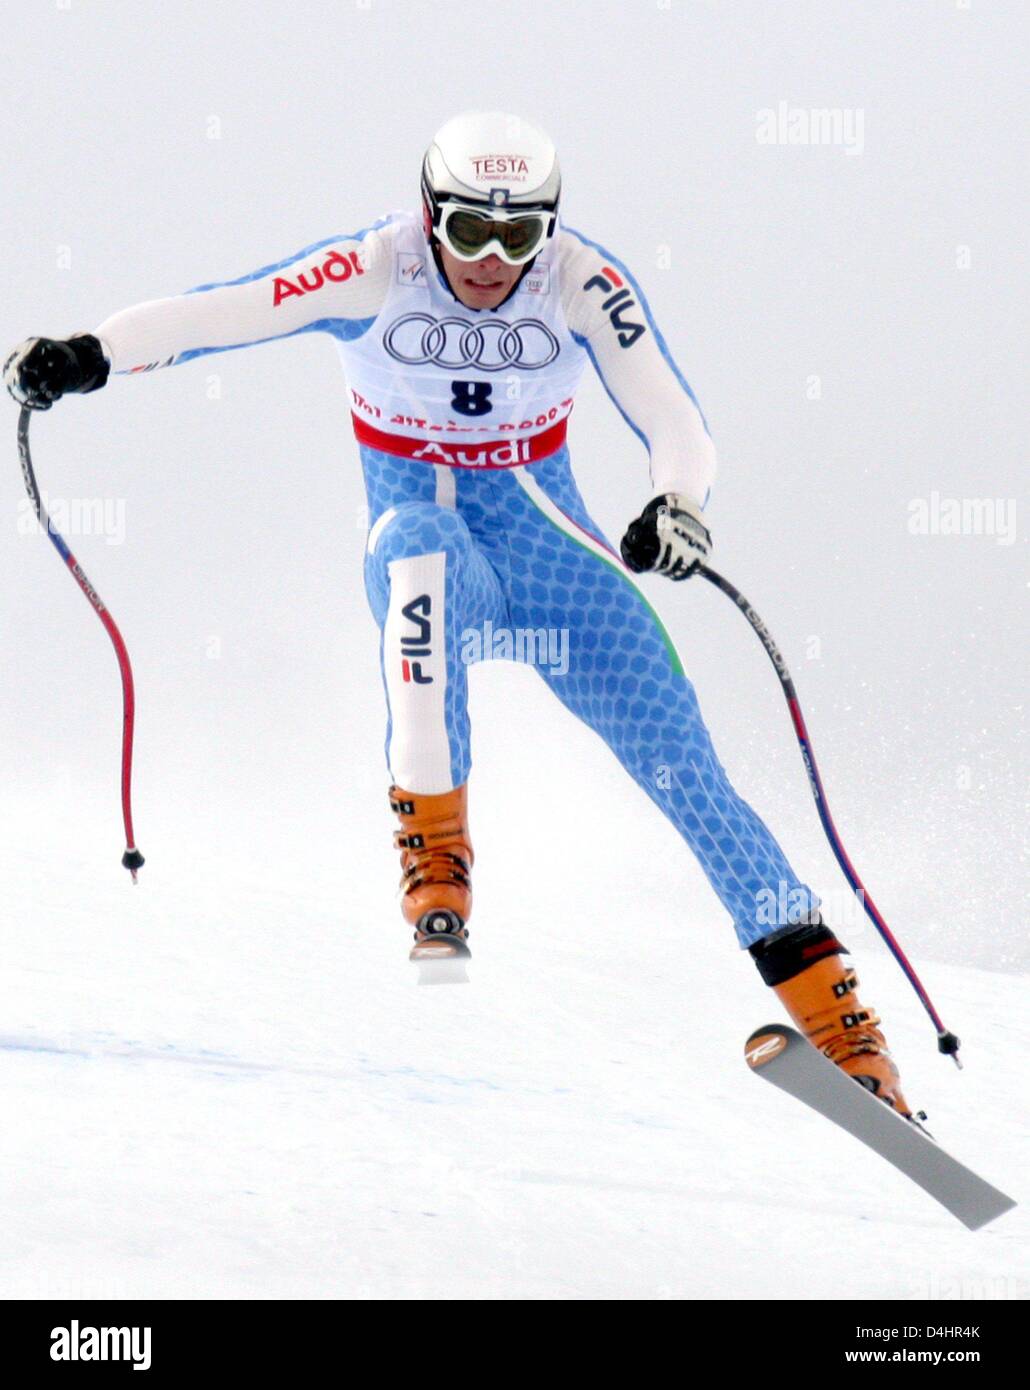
(436,864)
(817,987)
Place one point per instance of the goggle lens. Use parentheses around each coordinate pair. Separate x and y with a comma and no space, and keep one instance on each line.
(469,233)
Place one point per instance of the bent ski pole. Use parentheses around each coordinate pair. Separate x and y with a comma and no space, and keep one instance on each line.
(947,1042)
(131,859)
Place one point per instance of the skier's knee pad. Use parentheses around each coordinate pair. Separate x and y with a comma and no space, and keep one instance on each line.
(419,528)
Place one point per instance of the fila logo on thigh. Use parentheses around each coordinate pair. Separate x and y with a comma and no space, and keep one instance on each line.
(420,642)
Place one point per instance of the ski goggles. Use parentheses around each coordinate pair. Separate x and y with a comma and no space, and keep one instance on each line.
(470,234)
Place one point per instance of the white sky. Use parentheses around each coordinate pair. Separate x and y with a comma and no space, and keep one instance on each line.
(766,266)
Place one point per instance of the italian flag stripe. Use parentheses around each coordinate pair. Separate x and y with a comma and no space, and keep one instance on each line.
(568,527)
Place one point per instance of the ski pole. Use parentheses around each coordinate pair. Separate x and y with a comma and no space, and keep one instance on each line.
(947,1042)
(131,859)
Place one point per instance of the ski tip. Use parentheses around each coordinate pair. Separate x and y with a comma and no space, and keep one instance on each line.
(765,1043)
(990,1211)
(443,970)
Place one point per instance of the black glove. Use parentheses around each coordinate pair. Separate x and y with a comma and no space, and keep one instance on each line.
(42,370)
(668,537)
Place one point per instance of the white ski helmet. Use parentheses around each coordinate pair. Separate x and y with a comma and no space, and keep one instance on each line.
(491,183)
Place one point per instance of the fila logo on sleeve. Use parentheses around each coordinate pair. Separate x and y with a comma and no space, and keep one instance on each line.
(618,305)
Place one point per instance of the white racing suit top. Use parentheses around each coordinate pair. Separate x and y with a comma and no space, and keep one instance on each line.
(433,380)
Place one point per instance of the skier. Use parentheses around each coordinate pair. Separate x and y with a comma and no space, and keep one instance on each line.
(463,333)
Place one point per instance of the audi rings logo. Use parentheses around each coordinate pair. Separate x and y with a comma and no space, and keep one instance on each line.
(418,339)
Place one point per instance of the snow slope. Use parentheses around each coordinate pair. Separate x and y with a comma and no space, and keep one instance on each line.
(237,1089)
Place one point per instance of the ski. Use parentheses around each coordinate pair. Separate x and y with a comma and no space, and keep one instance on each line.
(781,1055)
(444,970)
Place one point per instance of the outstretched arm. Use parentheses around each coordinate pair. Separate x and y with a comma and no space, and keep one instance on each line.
(337,285)
(340,283)
(607,312)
